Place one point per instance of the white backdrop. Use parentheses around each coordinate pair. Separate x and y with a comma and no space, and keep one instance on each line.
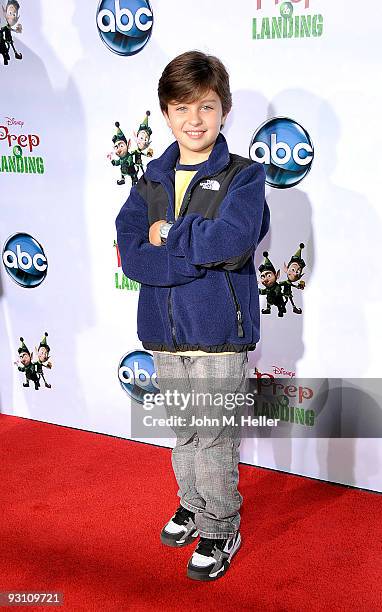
(69,89)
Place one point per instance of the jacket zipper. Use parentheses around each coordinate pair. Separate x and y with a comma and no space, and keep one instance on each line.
(170,312)
(172,324)
(239,317)
(187,202)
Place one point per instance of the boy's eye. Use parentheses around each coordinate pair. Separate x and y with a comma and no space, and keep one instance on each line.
(205,106)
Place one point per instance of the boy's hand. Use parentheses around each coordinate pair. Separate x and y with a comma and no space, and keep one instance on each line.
(154,236)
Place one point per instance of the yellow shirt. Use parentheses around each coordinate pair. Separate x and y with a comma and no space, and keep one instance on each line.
(182,181)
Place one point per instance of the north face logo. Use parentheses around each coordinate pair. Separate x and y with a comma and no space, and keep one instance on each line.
(214,185)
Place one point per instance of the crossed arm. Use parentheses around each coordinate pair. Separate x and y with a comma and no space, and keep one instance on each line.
(194,243)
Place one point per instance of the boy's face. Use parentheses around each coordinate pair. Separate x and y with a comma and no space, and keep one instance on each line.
(196,125)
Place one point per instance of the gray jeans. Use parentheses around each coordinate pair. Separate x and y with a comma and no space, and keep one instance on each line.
(206,455)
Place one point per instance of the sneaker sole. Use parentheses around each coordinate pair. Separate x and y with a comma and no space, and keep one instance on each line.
(208,577)
(169,540)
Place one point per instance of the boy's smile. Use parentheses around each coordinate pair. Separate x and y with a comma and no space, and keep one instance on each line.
(196,126)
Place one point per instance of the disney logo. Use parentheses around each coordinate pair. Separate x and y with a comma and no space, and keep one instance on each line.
(281,372)
(13,121)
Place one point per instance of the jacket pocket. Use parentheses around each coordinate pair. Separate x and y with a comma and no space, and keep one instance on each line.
(236,304)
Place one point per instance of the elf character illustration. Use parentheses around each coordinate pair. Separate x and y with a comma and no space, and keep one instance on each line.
(125,157)
(42,360)
(29,368)
(294,273)
(269,278)
(11,15)
(142,138)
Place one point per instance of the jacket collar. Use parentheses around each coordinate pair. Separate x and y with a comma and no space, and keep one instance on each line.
(218,159)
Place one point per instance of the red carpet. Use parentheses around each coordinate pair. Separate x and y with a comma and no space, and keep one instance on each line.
(81,514)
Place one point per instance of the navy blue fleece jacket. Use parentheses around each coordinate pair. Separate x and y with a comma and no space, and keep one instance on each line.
(199,291)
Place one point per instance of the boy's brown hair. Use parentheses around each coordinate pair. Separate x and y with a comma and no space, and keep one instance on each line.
(189,76)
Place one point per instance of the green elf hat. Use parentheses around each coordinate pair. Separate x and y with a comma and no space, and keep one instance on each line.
(119,135)
(267,264)
(44,342)
(23,347)
(296,258)
(145,125)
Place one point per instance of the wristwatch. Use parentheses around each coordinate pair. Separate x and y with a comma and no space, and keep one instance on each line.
(163,231)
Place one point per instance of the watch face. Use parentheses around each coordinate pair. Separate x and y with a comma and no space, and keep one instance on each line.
(164,229)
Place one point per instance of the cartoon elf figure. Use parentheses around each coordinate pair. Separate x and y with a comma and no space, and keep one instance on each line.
(294,273)
(143,141)
(11,16)
(269,278)
(125,157)
(42,360)
(25,358)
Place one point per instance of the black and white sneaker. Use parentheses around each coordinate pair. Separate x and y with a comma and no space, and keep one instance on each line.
(212,558)
(180,530)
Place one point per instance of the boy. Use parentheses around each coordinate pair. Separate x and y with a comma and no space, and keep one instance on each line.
(187,233)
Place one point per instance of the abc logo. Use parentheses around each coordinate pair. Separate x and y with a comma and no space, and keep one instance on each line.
(24,260)
(137,374)
(285,149)
(125,25)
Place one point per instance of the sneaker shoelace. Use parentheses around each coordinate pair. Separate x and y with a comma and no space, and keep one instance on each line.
(206,546)
(182,515)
